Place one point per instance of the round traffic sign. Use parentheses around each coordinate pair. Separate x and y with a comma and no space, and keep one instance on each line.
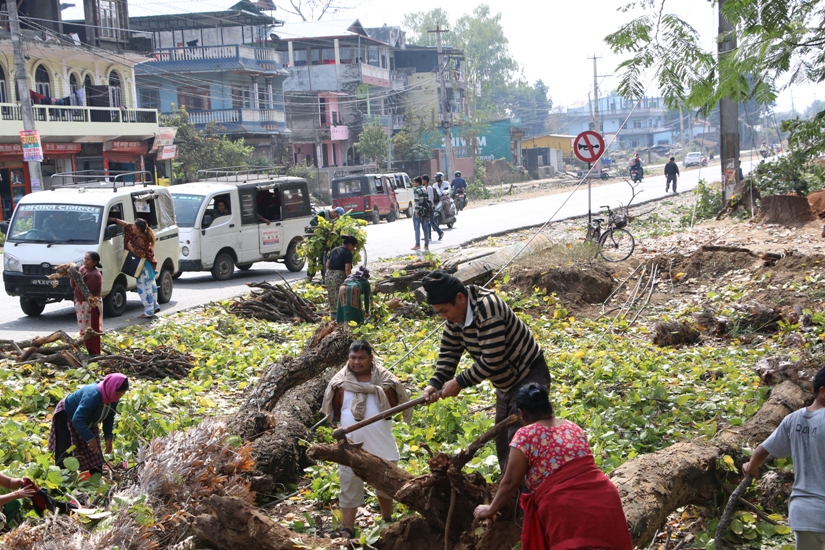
(588,146)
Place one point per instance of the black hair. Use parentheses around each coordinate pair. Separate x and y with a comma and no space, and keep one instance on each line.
(425,177)
(533,400)
(349,239)
(95,258)
(124,386)
(417,179)
(141,224)
(819,381)
(361,345)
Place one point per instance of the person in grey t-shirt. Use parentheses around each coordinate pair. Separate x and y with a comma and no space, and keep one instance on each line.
(801,435)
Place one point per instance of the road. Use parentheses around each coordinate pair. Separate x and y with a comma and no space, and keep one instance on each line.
(386,240)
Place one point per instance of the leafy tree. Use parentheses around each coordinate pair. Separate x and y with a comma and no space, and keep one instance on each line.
(373,143)
(485,46)
(202,149)
(528,103)
(419,24)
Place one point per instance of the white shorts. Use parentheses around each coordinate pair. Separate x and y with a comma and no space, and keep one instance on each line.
(352,489)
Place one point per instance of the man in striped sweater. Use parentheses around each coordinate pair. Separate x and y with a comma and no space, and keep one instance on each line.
(501,345)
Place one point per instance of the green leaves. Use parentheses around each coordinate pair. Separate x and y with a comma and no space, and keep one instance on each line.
(373,143)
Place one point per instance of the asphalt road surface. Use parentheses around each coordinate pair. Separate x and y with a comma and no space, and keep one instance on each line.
(386,240)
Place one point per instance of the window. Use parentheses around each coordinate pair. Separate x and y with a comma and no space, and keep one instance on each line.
(653,104)
(637,124)
(634,143)
(322,108)
(296,202)
(42,82)
(73,82)
(108,18)
(115,99)
(150,98)
(194,98)
(3,96)
(372,56)
(241,96)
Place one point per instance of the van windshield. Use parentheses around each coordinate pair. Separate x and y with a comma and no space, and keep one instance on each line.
(55,223)
(187,208)
(349,188)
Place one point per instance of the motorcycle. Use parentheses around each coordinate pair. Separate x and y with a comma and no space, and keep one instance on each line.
(442,217)
(460,198)
(636,174)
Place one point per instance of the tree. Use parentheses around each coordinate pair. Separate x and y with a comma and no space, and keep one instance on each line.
(780,42)
(419,24)
(313,10)
(202,149)
(485,46)
(373,143)
(529,104)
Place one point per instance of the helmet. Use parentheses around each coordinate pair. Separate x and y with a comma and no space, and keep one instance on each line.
(339,211)
(439,175)
(457,174)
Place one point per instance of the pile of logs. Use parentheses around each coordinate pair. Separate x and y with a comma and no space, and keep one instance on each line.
(159,363)
(38,350)
(277,303)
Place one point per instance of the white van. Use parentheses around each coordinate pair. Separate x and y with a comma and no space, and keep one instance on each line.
(262,219)
(404,193)
(50,228)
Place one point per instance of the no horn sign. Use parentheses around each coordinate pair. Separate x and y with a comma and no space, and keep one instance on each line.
(588,146)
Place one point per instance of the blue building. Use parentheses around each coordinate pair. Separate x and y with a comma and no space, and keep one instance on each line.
(221,66)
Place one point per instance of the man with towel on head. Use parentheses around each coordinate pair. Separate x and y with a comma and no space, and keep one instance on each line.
(360,390)
(503,349)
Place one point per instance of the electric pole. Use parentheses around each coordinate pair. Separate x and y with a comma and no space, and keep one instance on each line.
(597,166)
(728,116)
(446,116)
(35,177)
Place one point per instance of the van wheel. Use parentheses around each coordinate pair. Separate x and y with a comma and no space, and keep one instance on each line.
(177,275)
(114,304)
(393,215)
(244,267)
(165,286)
(31,307)
(409,211)
(223,268)
(376,216)
(293,261)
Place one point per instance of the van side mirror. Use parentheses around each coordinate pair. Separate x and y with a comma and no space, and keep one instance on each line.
(4,227)
(207,221)
(111,232)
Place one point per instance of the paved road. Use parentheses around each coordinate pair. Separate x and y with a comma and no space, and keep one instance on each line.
(385,241)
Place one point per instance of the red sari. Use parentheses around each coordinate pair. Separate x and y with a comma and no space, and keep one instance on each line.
(576,507)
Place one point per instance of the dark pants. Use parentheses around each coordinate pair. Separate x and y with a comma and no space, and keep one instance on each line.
(671,178)
(506,405)
(63,438)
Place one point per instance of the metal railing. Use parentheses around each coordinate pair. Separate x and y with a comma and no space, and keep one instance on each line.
(236,115)
(239,173)
(199,53)
(101,179)
(74,113)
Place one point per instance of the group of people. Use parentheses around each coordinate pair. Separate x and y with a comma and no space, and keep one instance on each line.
(427,196)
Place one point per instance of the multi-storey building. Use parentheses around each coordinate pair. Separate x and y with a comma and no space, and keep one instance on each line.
(85,109)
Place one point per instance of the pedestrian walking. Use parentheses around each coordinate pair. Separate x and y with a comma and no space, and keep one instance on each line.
(339,267)
(421,214)
(355,290)
(434,194)
(503,349)
(801,435)
(672,174)
(89,311)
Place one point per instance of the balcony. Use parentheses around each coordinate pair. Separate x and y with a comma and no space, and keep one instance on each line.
(81,123)
(383,121)
(211,59)
(242,120)
(643,131)
(333,78)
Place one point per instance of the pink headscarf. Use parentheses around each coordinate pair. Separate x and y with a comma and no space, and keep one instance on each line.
(108,387)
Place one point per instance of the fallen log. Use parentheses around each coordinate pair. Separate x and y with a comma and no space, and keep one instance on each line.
(276,303)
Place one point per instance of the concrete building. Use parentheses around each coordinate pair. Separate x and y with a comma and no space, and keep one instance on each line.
(97,129)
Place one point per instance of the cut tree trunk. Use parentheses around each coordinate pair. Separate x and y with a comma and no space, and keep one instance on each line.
(280,410)
(786,210)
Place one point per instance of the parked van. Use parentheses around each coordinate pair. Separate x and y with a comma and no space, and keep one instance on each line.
(226,223)
(404,193)
(368,196)
(51,228)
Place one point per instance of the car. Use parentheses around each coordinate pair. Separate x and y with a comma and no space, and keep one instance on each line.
(368,196)
(694,159)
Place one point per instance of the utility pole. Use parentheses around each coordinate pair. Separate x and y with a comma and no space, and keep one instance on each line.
(597,167)
(728,116)
(681,130)
(35,176)
(446,122)
(389,134)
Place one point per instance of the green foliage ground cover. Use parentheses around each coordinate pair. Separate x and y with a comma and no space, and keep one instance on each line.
(630,396)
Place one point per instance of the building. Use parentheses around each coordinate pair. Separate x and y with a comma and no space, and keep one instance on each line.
(94,123)
(221,66)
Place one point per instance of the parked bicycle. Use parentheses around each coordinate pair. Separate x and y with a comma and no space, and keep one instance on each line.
(615,242)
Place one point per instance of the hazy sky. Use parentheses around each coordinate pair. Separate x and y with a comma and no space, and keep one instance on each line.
(552,39)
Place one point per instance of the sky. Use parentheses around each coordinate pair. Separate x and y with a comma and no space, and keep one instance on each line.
(552,39)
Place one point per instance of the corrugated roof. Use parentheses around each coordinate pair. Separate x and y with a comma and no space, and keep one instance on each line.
(150,8)
(343,28)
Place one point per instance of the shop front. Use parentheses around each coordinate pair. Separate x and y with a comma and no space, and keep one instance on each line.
(14,172)
(124,156)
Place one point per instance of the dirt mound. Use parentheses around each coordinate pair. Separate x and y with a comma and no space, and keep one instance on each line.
(591,285)
(712,262)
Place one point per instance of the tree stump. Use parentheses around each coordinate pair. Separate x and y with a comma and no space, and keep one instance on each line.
(789,210)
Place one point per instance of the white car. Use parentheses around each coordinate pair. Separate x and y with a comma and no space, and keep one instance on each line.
(694,159)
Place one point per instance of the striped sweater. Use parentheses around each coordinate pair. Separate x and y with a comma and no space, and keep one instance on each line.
(501,345)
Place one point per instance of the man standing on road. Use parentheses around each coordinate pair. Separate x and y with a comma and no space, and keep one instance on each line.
(421,218)
(501,345)
(434,194)
(672,174)
(801,435)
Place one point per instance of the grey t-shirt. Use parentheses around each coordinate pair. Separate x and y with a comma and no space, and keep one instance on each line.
(801,435)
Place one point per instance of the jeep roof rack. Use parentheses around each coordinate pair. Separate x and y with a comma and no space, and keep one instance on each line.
(101,179)
(240,173)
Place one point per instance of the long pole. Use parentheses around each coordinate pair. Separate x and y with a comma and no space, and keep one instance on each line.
(446,116)
(597,127)
(728,116)
(35,176)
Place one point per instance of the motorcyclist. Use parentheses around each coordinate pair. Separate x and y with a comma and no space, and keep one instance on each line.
(459,182)
(444,187)
(460,186)
(636,164)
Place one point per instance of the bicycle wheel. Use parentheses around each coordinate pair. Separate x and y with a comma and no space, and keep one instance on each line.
(616,245)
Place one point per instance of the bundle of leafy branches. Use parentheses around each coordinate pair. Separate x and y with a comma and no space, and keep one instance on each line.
(277,303)
(328,235)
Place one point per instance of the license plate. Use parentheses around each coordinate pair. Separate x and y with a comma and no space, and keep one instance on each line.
(43,282)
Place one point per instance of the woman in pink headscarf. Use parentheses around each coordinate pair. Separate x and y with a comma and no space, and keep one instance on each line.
(76,418)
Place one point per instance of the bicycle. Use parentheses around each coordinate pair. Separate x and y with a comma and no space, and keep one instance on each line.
(615,243)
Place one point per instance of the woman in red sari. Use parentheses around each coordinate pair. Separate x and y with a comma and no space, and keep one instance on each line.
(571,505)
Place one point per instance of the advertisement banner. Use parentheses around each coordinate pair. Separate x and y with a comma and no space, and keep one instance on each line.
(168,152)
(32,149)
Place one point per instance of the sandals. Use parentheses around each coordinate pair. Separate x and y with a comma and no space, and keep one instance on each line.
(346,532)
